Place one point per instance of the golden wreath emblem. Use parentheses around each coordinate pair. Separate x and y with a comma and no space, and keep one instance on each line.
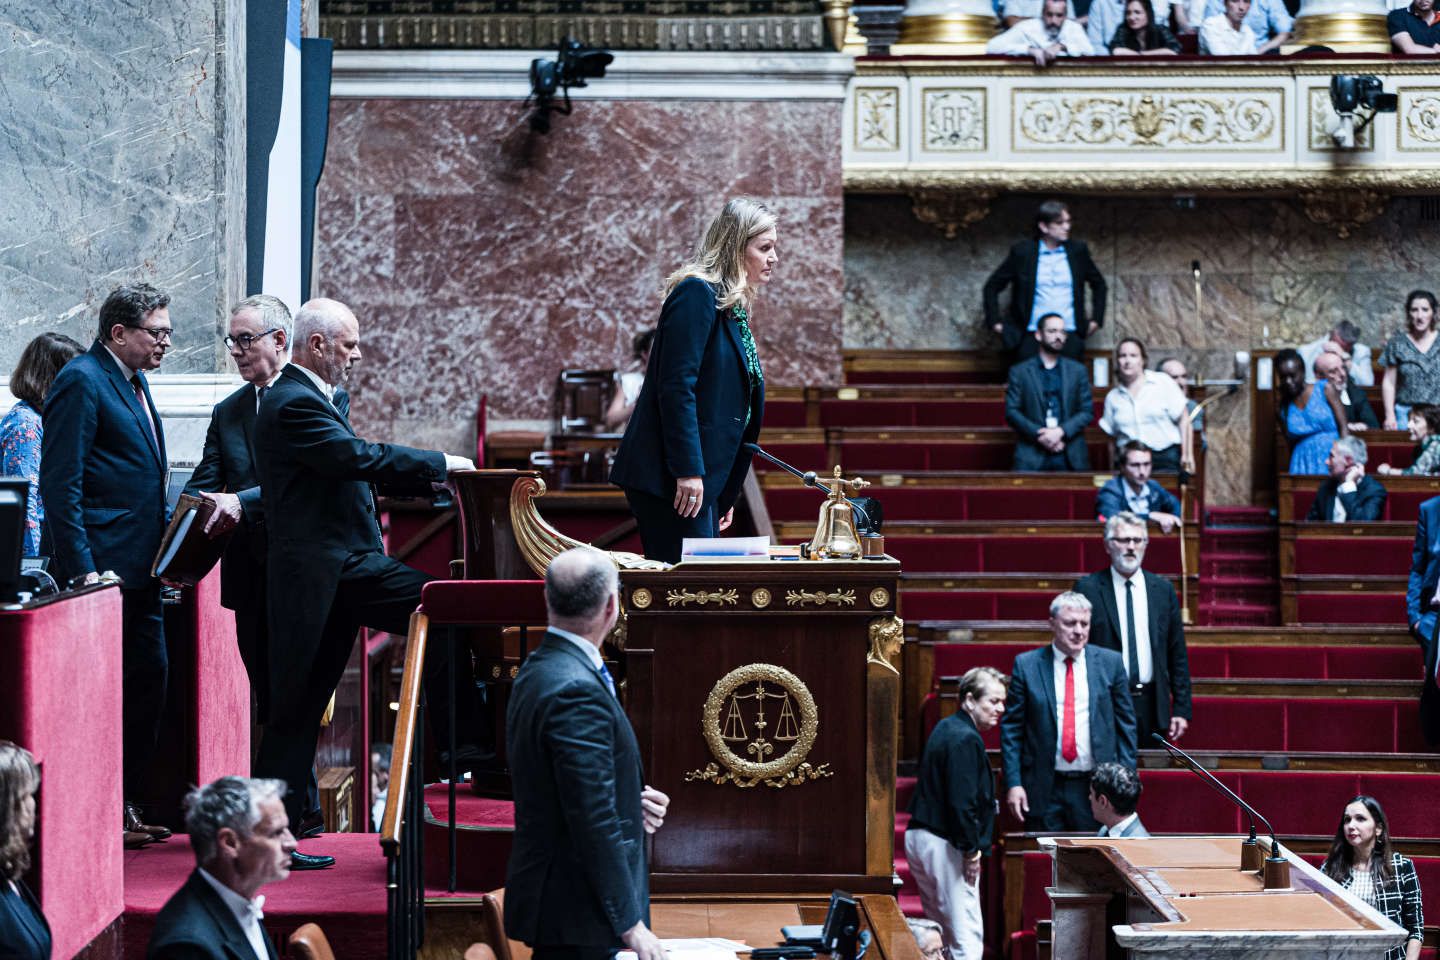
(752,714)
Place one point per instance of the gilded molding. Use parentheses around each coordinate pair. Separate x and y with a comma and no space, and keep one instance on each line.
(727,597)
(1170,118)
(1420,119)
(724,722)
(1102,68)
(887,635)
(1121,179)
(950,212)
(1344,210)
(839,598)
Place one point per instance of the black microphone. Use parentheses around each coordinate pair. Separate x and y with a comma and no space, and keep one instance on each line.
(1275,852)
(1195,268)
(810,479)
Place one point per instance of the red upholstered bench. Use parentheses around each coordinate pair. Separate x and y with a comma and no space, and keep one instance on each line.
(1377,555)
(1361,607)
(784,413)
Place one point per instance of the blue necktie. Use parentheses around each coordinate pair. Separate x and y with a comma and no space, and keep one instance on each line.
(604,672)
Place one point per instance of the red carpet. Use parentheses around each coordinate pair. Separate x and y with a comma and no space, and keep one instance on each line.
(482,845)
(347,901)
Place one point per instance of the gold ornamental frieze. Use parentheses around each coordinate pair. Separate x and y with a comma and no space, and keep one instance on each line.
(760,597)
(641,598)
(760,723)
(1173,118)
(683,598)
(1419,127)
(838,598)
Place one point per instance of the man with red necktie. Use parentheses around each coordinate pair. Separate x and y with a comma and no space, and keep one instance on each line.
(1068,709)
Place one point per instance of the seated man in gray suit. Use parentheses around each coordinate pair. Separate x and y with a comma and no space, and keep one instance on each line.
(1132,490)
(1114,791)
(1067,710)
(1048,403)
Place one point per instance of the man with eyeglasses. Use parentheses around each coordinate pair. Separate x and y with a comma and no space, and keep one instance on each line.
(102,477)
(1138,614)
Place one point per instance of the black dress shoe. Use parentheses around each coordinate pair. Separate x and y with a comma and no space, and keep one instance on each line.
(312,825)
(468,758)
(134,839)
(310,861)
(133,824)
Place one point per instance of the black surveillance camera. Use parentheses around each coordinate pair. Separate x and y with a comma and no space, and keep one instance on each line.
(579,62)
(573,65)
(1349,93)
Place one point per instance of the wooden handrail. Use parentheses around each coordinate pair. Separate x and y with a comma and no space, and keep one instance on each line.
(405,723)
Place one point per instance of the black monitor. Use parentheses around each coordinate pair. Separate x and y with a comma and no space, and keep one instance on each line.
(175,485)
(840,936)
(14,493)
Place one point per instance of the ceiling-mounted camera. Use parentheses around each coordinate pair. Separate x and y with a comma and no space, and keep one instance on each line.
(1349,95)
(573,65)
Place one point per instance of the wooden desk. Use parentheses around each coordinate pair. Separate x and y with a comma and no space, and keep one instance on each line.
(758,921)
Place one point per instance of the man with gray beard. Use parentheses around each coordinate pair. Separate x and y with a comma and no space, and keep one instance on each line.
(1138,614)
(1044,38)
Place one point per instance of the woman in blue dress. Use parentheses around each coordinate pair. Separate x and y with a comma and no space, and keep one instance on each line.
(1310,414)
(21,428)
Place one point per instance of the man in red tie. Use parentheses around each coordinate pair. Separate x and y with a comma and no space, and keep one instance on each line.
(1067,710)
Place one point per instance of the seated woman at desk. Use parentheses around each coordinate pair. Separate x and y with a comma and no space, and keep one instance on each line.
(1424,424)
(1361,861)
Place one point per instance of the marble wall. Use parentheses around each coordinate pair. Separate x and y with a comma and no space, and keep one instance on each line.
(117,164)
(482,258)
(1267,270)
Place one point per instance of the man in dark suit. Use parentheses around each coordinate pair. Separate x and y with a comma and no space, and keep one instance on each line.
(102,478)
(1347,495)
(1114,792)
(1420,611)
(1358,412)
(1067,710)
(1048,404)
(1132,490)
(242,842)
(1138,614)
(1046,275)
(577,886)
(327,574)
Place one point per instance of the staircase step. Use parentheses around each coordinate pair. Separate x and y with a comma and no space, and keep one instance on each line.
(1225,564)
(1253,541)
(1235,590)
(1232,614)
(1239,515)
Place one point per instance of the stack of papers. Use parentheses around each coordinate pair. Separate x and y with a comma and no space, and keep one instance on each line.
(724,548)
(697,948)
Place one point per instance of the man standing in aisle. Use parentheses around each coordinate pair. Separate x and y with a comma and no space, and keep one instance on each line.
(1048,403)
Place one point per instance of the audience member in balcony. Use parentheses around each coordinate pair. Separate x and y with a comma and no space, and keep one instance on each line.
(928,937)
(1016,11)
(1411,361)
(1309,413)
(1114,794)
(1046,275)
(628,384)
(1348,494)
(1047,403)
(577,885)
(1226,34)
(1132,490)
(1045,39)
(952,814)
(1362,861)
(1176,371)
(1424,424)
(683,457)
(1068,709)
(1137,614)
(102,473)
(1343,341)
(1270,23)
(242,841)
(1146,405)
(1359,415)
(1140,35)
(24,934)
(1413,28)
(22,428)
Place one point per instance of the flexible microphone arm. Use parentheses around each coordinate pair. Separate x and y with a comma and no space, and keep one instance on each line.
(810,479)
(1214,781)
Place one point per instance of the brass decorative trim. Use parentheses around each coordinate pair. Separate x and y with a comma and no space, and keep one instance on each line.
(1118,178)
(1418,120)
(641,598)
(887,635)
(944,34)
(540,543)
(879,597)
(760,597)
(1341,32)
(720,598)
(876,119)
(1104,68)
(840,598)
(787,769)
(1173,119)
(951,212)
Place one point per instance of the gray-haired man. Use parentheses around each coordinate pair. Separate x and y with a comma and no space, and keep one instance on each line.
(242,841)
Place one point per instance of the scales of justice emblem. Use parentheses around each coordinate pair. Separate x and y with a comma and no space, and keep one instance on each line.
(760,722)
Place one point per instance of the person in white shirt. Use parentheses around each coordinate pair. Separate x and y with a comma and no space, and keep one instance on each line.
(1050,36)
(1148,406)
(1226,34)
(1014,11)
(241,837)
(1343,340)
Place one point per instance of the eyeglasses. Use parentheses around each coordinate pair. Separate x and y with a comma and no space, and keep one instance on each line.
(245,341)
(933,953)
(1128,541)
(158,334)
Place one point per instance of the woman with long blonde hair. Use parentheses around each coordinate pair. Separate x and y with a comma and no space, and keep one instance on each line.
(682,459)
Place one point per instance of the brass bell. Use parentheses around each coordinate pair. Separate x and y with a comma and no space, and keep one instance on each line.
(836,537)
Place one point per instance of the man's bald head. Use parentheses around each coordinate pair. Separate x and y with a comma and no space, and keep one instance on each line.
(580,586)
(327,339)
(1329,366)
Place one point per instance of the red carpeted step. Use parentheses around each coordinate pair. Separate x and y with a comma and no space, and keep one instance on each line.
(1251,565)
(1368,607)
(347,900)
(1254,541)
(1237,615)
(485,829)
(1251,591)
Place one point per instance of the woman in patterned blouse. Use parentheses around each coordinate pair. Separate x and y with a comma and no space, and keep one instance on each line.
(1411,360)
(20,430)
(1362,862)
(1424,424)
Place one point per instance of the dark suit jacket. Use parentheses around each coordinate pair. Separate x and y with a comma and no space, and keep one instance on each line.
(102,476)
(1365,503)
(24,931)
(1018,273)
(315,479)
(1360,410)
(1029,731)
(577,874)
(1167,638)
(1430,694)
(195,924)
(690,417)
(1111,499)
(1133,829)
(955,792)
(1025,412)
(1424,563)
